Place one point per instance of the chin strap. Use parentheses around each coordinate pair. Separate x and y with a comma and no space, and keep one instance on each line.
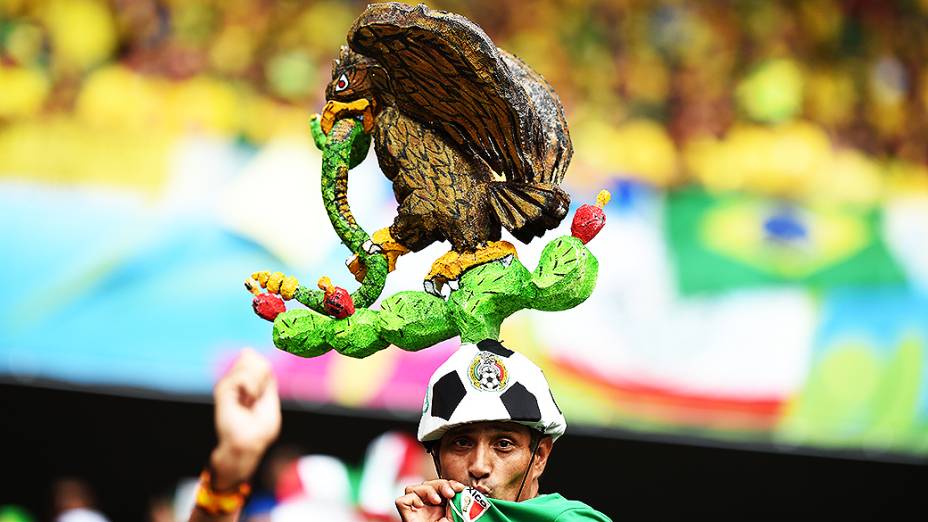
(433,451)
(529,468)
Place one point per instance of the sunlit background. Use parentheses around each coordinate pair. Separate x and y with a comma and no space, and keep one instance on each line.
(764,268)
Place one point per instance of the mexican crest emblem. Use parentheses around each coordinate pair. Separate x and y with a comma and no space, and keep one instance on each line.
(473,505)
(488,373)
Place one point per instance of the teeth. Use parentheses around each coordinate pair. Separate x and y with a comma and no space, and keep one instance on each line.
(454,284)
(506,261)
(429,287)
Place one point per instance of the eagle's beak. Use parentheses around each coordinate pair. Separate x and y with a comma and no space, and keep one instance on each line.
(335,110)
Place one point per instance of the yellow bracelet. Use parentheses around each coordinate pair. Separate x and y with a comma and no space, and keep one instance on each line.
(220,503)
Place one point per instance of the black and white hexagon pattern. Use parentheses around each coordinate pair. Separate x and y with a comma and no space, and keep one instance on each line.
(488,382)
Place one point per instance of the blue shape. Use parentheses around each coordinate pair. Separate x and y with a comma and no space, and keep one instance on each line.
(629,196)
(784,225)
(157,309)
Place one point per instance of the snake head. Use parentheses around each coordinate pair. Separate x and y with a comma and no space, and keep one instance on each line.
(343,132)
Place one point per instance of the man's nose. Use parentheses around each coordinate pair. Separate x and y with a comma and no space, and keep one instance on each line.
(480,464)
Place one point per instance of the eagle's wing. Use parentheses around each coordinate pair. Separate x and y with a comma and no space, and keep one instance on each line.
(446,73)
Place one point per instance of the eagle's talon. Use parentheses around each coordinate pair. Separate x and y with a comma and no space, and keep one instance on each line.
(357,268)
(429,287)
(383,243)
(450,267)
(371,248)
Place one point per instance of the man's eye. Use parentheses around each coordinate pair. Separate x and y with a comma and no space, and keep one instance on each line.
(505,444)
(462,443)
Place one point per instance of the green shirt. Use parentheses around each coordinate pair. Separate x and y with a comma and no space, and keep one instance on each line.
(470,505)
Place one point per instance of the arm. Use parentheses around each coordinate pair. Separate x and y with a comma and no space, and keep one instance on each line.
(247,421)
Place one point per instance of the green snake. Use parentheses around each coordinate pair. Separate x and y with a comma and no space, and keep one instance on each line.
(413,320)
(343,149)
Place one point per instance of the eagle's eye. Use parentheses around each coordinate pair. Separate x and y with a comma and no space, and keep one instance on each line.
(342,83)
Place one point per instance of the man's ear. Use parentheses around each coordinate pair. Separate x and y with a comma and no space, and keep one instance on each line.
(541,455)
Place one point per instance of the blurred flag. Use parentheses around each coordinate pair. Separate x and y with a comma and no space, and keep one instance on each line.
(732,241)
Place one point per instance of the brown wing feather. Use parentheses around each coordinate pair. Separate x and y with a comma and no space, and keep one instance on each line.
(552,147)
(446,72)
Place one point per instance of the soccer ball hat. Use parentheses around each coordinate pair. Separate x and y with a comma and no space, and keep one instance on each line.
(487,382)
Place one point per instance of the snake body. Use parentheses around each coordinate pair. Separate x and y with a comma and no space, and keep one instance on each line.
(342,149)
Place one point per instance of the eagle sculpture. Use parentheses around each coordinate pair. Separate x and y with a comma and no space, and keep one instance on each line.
(472,139)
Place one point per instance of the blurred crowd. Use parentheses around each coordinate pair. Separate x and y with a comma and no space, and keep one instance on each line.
(72,500)
(785,98)
(821,100)
(291,486)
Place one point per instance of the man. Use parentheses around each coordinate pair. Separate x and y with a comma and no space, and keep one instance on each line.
(489,421)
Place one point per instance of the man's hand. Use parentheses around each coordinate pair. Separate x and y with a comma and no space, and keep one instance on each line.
(247,419)
(429,501)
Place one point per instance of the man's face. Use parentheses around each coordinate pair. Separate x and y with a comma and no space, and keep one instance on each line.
(492,457)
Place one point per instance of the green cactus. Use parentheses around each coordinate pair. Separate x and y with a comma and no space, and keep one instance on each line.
(487,294)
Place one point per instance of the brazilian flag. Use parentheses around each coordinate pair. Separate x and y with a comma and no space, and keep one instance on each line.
(734,241)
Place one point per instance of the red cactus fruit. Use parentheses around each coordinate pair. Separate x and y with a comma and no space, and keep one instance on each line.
(337,302)
(590,219)
(268,306)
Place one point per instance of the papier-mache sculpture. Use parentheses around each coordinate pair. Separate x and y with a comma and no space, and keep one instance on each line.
(474,141)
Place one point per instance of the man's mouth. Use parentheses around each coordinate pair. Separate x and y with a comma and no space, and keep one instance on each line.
(481,488)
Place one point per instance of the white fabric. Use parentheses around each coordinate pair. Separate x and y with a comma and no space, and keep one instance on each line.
(307,510)
(381,480)
(81,515)
(324,479)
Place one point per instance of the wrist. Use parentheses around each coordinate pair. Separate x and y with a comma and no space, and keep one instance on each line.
(232,465)
(215,501)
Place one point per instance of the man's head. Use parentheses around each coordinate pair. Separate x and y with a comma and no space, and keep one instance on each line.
(492,432)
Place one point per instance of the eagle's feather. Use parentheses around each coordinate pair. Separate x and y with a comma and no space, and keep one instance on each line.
(471,137)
